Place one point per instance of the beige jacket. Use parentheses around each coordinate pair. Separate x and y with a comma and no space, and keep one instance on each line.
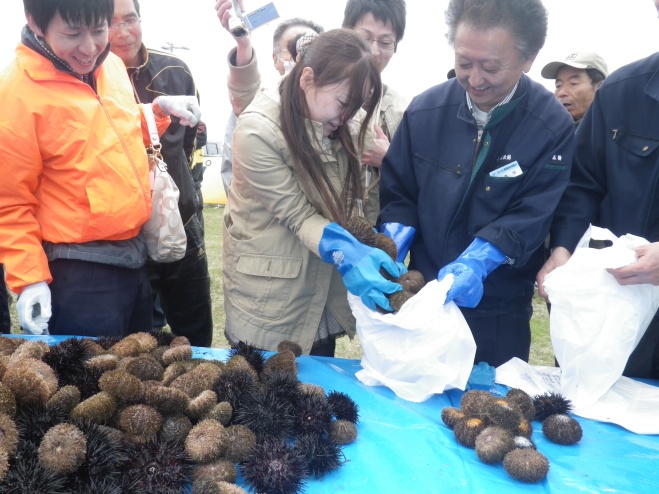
(275,284)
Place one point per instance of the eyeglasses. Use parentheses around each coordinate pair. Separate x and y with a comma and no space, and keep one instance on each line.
(385,44)
(129,24)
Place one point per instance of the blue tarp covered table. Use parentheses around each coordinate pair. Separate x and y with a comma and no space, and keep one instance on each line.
(405,447)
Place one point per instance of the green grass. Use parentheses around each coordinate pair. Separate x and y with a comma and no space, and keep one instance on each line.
(541,350)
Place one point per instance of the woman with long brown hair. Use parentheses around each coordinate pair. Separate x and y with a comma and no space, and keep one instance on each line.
(287,258)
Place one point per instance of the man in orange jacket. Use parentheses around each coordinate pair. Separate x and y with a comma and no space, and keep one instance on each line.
(75,189)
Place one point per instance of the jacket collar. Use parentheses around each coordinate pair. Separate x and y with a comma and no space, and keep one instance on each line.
(144,56)
(498,113)
(32,41)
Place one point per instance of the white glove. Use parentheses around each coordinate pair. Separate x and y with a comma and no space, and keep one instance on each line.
(33,308)
(184,107)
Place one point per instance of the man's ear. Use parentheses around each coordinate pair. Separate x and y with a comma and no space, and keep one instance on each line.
(306,79)
(597,86)
(33,25)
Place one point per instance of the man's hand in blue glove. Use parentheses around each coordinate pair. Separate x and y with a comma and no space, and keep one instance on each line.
(470,270)
(402,235)
(359,266)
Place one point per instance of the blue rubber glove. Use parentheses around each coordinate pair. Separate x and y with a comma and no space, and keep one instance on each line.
(359,266)
(470,270)
(481,377)
(402,235)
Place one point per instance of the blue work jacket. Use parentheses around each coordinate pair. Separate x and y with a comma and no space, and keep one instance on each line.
(615,178)
(445,178)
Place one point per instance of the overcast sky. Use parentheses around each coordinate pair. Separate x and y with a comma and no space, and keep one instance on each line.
(620,30)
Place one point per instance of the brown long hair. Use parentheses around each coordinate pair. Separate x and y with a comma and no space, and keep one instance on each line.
(334,56)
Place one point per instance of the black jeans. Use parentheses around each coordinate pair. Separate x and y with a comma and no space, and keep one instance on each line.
(184,289)
(500,338)
(5,322)
(93,299)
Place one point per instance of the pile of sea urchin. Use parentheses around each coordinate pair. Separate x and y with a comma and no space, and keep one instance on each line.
(139,415)
(500,430)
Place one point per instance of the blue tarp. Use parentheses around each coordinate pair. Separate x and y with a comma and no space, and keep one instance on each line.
(405,447)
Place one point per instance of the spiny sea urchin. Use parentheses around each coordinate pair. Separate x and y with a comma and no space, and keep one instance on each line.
(32,422)
(290,345)
(201,404)
(504,414)
(255,357)
(275,468)
(140,420)
(493,444)
(282,361)
(32,381)
(550,403)
(156,467)
(27,476)
(63,449)
(122,385)
(145,368)
(322,455)
(215,471)
(207,441)
(343,432)
(560,428)
(474,402)
(98,408)
(467,429)
(527,465)
(8,434)
(66,398)
(343,407)
(106,457)
(450,415)
(313,414)
(284,384)
(7,401)
(267,415)
(523,400)
(175,428)
(240,443)
(235,386)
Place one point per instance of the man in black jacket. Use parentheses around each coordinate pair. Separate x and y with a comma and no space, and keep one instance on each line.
(183,286)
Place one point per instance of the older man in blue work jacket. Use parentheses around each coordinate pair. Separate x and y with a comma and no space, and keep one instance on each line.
(476,169)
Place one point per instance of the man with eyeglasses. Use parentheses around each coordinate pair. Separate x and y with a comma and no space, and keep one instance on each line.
(183,286)
(382,24)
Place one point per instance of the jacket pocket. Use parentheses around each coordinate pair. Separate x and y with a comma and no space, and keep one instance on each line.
(637,145)
(266,283)
(424,160)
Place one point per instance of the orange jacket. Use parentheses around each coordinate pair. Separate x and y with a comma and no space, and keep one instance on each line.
(73,166)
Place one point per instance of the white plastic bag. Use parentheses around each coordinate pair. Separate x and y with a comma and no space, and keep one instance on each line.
(423,349)
(595,323)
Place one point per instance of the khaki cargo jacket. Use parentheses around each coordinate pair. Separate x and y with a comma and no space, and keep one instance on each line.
(275,284)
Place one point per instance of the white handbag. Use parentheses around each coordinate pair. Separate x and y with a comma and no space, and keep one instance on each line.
(164,231)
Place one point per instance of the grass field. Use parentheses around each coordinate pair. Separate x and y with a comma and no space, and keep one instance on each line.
(541,351)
